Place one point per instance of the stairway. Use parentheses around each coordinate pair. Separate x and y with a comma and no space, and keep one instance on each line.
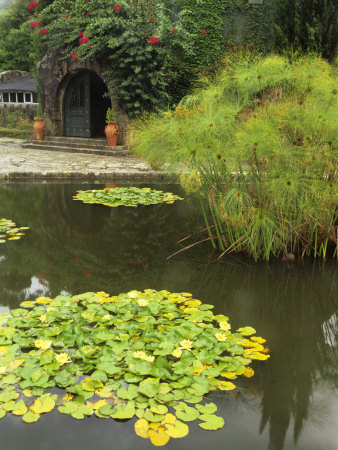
(77,145)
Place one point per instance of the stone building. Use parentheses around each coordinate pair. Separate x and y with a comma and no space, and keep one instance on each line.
(73,96)
(18,92)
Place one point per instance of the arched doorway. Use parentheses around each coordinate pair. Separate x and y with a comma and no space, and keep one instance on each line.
(84,105)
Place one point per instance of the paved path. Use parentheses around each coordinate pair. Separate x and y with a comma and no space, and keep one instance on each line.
(19,163)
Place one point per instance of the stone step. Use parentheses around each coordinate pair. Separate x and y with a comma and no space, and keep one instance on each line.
(63,147)
(74,144)
(77,140)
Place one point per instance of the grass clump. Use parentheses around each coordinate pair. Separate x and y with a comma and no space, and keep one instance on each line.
(263,139)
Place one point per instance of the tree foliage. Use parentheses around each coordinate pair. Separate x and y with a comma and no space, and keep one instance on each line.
(308,25)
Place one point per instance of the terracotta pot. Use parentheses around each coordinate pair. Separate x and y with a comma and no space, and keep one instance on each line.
(39,129)
(112,133)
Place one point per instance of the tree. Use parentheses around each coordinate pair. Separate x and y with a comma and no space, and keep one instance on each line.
(308,25)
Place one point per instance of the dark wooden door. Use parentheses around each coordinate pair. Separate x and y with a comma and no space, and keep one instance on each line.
(77,107)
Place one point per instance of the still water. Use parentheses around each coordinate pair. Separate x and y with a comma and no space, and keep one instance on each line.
(290,403)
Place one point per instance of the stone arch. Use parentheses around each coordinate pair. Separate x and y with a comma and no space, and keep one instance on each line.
(55,73)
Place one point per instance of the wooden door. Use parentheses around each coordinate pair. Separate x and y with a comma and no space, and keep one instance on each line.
(77,107)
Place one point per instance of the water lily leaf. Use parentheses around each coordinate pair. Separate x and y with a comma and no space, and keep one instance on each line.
(208,408)
(20,408)
(225,385)
(8,406)
(141,428)
(30,417)
(169,418)
(98,404)
(153,417)
(105,410)
(43,404)
(68,408)
(159,409)
(246,331)
(82,411)
(149,387)
(248,372)
(158,437)
(259,356)
(124,411)
(28,304)
(9,394)
(178,430)
(91,385)
(105,392)
(188,415)
(129,394)
(211,422)
(2,413)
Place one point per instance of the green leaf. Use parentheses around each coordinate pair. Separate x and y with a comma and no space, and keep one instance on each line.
(149,387)
(30,417)
(208,408)
(211,422)
(124,411)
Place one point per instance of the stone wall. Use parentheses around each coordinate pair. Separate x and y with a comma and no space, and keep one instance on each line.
(11,74)
(8,112)
(55,72)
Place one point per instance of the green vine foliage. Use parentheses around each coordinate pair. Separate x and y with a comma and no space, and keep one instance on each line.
(153,354)
(135,39)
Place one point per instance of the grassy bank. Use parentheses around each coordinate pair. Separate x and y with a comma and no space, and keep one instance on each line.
(15,133)
(262,137)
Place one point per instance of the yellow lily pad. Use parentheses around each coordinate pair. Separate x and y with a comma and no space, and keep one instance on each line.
(141,428)
(158,437)
(178,430)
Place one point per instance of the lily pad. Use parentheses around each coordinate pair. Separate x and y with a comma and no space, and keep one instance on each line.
(135,354)
(127,196)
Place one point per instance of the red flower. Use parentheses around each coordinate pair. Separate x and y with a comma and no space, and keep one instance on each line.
(81,34)
(74,55)
(203,32)
(168,84)
(83,40)
(89,12)
(33,5)
(34,24)
(173,31)
(143,34)
(117,7)
(43,31)
(89,46)
(153,20)
(153,40)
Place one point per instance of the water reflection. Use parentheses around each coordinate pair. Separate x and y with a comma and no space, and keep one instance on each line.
(74,248)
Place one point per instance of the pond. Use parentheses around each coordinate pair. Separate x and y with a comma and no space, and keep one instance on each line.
(290,403)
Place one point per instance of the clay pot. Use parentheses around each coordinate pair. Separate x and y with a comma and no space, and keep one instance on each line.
(112,133)
(39,129)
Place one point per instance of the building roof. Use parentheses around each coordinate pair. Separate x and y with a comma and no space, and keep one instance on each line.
(24,84)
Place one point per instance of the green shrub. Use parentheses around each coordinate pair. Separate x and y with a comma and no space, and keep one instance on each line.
(263,137)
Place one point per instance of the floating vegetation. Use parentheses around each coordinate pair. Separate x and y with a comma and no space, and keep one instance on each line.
(8,230)
(127,196)
(151,354)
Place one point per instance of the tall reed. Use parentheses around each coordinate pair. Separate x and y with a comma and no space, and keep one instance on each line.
(263,138)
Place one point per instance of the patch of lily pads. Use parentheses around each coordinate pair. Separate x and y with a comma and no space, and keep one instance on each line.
(9,231)
(126,196)
(153,355)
